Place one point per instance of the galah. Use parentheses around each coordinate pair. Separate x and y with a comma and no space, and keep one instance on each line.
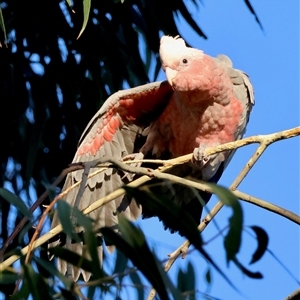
(203,103)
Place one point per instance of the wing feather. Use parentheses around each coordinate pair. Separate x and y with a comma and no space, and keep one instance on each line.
(112,132)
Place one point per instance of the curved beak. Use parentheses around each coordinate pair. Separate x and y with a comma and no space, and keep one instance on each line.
(170,74)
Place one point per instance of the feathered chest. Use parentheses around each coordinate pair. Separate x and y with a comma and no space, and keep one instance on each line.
(186,124)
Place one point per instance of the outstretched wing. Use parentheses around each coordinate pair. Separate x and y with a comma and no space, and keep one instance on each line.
(113,132)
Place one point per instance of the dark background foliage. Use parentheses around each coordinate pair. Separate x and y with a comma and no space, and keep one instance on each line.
(52,83)
(46,111)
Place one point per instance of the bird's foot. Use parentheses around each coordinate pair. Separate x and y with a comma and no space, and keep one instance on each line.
(199,159)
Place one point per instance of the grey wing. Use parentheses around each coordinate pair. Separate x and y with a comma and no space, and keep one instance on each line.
(244,92)
(111,133)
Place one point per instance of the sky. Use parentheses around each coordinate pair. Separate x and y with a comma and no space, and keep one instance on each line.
(271,59)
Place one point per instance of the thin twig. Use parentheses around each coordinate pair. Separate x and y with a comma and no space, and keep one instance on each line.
(264,141)
(267,139)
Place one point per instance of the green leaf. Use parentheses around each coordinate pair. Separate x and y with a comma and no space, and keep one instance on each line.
(174,217)
(262,243)
(64,212)
(81,219)
(86,13)
(121,264)
(137,282)
(21,294)
(72,258)
(133,244)
(15,201)
(181,281)
(69,2)
(67,294)
(232,240)
(93,248)
(67,281)
(254,275)
(186,281)
(7,277)
(191,278)
(24,230)
(37,286)
(208,276)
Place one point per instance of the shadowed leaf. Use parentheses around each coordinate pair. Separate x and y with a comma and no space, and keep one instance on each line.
(262,243)
(173,217)
(208,276)
(136,280)
(15,201)
(254,13)
(67,281)
(254,275)
(133,244)
(7,277)
(72,258)
(232,241)
(64,212)
(36,284)
(121,263)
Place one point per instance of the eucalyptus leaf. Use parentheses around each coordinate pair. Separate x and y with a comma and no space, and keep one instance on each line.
(262,243)
(15,201)
(133,244)
(232,241)
(86,13)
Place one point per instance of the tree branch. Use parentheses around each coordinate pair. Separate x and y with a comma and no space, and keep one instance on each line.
(294,296)
(264,140)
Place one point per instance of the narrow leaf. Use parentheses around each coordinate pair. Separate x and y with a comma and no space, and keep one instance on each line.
(64,212)
(69,3)
(174,217)
(137,282)
(133,244)
(191,278)
(15,201)
(67,281)
(21,294)
(92,246)
(208,276)
(254,275)
(262,243)
(37,286)
(254,13)
(121,263)
(7,277)
(232,241)
(72,258)
(86,13)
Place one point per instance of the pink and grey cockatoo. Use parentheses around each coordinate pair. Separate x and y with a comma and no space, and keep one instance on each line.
(203,103)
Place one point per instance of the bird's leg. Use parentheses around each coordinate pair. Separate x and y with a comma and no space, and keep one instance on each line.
(199,159)
(208,164)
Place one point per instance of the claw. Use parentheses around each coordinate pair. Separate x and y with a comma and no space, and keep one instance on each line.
(199,159)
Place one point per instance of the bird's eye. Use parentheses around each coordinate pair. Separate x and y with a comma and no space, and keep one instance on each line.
(184,61)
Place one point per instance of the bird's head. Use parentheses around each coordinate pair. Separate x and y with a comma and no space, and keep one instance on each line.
(177,58)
